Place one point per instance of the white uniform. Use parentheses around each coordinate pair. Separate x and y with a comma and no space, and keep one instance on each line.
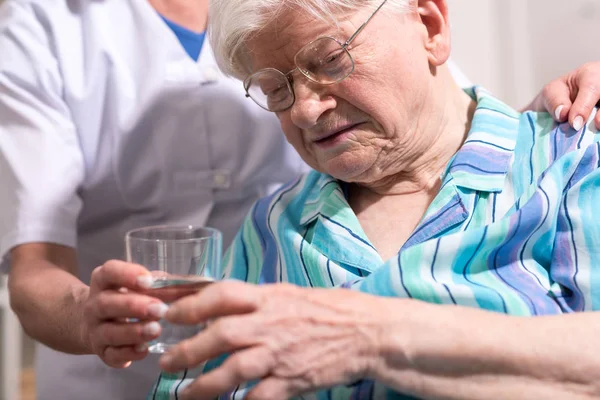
(106,124)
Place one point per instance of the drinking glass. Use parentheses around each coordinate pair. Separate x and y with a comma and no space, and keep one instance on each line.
(182,259)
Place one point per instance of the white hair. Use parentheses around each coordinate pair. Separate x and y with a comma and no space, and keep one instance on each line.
(233,22)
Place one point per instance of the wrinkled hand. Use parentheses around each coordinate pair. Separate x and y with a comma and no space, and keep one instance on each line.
(295,340)
(572,97)
(111,305)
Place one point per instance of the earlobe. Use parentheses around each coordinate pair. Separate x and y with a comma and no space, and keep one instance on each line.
(434,16)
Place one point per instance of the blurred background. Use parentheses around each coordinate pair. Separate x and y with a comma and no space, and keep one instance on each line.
(514,47)
(511,47)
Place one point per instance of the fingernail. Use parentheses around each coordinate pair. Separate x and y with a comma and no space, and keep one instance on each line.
(578,123)
(151,329)
(145,281)
(558,111)
(158,310)
(141,348)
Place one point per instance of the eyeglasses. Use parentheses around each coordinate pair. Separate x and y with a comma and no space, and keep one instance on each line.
(325,61)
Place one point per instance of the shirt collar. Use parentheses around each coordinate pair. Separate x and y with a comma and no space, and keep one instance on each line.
(481,163)
(325,195)
(484,159)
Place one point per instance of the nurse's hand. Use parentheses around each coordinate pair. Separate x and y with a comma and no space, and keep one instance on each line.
(112,304)
(294,339)
(572,97)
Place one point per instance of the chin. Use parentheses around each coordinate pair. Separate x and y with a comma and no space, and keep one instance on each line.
(344,170)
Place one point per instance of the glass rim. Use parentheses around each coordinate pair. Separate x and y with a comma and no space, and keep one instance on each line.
(213,233)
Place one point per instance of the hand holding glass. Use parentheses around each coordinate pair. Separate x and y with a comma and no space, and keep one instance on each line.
(180,258)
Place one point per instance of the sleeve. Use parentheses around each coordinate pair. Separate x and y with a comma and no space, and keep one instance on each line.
(41,164)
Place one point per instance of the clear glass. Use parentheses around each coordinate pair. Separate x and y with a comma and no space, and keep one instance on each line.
(182,259)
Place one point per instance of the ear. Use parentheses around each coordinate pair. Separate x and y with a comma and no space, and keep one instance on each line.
(434,16)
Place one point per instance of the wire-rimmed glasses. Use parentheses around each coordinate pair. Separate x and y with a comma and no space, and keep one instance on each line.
(325,61)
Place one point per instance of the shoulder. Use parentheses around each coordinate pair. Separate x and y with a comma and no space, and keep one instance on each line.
(292,197)
(29,30)
(545,146)
(543,135)
(61,17)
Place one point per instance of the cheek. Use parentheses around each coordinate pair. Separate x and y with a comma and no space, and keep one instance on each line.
(293,135)
(371,99)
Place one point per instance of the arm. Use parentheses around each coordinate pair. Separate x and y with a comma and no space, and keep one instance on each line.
(447,352)
(59,310)
(47,296)
(338,337)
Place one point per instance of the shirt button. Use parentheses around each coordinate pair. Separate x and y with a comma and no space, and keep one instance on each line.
(210,74)
(222,180)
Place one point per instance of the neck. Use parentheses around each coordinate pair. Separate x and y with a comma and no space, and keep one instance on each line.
(439,131)
(191,14)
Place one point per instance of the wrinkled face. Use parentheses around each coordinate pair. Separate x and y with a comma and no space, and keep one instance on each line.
(361,128)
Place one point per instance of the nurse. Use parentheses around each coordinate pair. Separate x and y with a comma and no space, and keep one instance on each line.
(113,115)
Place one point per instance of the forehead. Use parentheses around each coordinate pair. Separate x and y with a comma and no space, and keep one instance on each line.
(276,44)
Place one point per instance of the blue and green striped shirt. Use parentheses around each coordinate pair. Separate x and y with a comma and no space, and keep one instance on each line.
(512,230)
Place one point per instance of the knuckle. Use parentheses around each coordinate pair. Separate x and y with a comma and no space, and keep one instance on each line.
(136,330)
(592,88)
(186,352)
(107,335)
(224,292)
(265,392)
(97,273)
(130,304)
(111,264)
(226,333)
(115,358)
(548,90)
(101,307)
(590,67)
(313,378)
(242,367)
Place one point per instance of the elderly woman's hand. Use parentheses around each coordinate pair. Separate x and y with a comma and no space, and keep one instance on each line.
(572,97)
(294,339)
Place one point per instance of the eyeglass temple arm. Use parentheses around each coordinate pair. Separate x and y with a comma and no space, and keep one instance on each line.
(351,38)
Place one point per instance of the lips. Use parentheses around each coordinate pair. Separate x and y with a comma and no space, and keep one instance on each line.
(331,134)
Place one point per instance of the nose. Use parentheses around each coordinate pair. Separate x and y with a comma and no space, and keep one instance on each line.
(312,101)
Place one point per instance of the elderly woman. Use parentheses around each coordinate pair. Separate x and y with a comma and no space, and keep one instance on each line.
(422,193)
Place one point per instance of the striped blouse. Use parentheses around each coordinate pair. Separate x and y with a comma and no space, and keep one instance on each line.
(512,230)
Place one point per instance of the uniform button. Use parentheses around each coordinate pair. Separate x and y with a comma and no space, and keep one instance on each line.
(222,179)
(210,74)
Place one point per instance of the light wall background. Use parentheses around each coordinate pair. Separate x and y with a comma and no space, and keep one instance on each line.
(514,47)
